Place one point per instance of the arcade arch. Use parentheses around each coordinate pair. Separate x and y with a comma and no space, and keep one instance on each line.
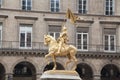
(50,66)
(2,72)
(24,70)
(110,72)
(85,71)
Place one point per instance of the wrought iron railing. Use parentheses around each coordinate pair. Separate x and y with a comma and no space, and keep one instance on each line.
(40,46)
(17,45)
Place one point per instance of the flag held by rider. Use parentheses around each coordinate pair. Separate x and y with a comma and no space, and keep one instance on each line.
(73,18)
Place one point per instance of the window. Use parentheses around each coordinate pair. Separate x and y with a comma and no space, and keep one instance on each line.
(0,3)
(109,7)
(25,36)
(0,35)
(82,39)
(109,39)
(110,43)
(55,5)
(26,4)
(54,31)
(55,34)
(82,6)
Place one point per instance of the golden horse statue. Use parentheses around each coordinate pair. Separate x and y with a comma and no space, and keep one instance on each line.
(68,50)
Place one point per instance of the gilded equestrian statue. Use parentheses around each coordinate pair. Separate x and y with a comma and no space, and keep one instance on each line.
(60,47)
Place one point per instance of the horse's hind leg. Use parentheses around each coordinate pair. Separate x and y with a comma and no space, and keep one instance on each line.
(72,54)
(75,63)
(54,60)
(67,62)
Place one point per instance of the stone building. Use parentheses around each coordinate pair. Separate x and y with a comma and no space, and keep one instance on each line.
(23,24)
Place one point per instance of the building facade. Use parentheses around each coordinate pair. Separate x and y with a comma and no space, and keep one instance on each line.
(23,24)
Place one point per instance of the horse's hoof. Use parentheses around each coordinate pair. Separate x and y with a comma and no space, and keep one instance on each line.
(54,68)
(45,56)
(48,63)
(74,68)
(65,66)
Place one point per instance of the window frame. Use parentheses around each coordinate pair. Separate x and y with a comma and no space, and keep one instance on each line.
(82,11)
(55,6)
(113,7)
(1,35)
(109,43)
(54,34)
(26,5)
(25,29)
(82,46)
(1,2)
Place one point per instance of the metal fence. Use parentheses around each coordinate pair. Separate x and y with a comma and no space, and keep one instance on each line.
(41,46)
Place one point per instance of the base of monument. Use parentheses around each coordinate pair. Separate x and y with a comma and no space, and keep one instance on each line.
(60,75)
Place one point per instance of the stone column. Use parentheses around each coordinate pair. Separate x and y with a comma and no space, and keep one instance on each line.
(118,37)
(9,76)
(96,77)
(38,75)
(6,76)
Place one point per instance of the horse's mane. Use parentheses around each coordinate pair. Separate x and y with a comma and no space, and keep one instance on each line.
(51,37)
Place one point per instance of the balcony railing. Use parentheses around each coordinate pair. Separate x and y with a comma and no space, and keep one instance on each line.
(40,46)
(17,45)
(99,48)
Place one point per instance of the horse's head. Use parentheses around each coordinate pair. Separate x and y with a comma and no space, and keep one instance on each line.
(47,39)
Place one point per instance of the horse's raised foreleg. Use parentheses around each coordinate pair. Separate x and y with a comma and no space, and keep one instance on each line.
(46,57)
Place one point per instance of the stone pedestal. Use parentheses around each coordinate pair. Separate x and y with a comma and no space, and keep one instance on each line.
(60,75)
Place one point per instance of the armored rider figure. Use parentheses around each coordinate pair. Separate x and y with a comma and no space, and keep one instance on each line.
(63,39)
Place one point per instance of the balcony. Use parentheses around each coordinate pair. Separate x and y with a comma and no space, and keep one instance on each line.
(14,48)
(39,49)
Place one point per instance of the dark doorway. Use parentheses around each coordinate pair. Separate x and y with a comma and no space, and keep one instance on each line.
(2,72)
(110,72)
(24,71)
(51,65)
(85,71)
